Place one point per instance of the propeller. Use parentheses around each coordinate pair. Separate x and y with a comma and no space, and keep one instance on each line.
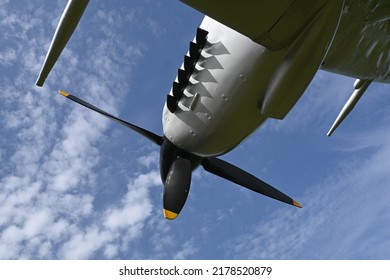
(68,23)
(176,166)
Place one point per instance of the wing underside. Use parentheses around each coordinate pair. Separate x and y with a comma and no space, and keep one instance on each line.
(273,24)
(360,48)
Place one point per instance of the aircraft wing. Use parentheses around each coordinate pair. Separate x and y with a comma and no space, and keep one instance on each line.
(303,29)
(273,24)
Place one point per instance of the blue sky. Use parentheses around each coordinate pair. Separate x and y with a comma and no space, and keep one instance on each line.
(74,185)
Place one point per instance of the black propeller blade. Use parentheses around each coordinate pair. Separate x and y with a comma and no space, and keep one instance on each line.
(234,174)
(176,187)
(150,135)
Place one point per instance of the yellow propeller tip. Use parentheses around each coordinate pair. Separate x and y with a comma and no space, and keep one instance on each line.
(297,204)
(63,93)
(170,215)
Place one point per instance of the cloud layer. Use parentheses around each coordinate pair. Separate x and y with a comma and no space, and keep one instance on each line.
(52,151)
(75,186)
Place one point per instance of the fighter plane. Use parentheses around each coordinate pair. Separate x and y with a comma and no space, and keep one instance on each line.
(249,61)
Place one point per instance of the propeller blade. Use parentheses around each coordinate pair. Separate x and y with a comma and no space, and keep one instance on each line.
(176,187)
(150,135)
(68,23)
(236,175)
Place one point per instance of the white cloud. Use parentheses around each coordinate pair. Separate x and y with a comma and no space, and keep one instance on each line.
(7,57)
(111,251)
(188,249)
(148,160)
(84,243)
(47,200)
(36,222)
(155,27)
(136,205)
(339,214)
(52,202)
